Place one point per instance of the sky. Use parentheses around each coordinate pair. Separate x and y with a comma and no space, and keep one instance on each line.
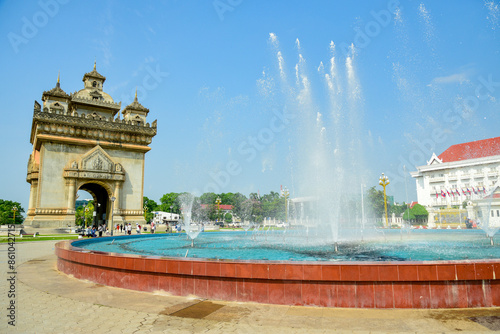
(410,78)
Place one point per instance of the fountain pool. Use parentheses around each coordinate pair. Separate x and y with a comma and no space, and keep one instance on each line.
(281,245)
(417,272)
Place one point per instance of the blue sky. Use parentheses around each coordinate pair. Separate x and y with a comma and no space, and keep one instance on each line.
(427,74)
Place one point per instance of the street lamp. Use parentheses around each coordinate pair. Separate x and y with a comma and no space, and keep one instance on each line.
(384,181)
(362,210)
(15,210)
(406,190)
(111,215)
(218,201)
(85,216)
(285,193)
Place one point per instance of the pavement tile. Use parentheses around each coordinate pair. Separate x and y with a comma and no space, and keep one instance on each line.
(51,302)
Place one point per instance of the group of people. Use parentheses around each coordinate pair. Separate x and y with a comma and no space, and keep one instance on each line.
(124,228)
(127,228)
(94,231)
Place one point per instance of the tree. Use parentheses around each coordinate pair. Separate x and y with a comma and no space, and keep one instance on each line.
(7,214)
(150,206)
(376,202)
(83,216)
(408,215)
(228,218)
(170,200)
(420,212)
(398,209)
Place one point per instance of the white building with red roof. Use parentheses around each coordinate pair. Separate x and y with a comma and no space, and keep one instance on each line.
(463,173)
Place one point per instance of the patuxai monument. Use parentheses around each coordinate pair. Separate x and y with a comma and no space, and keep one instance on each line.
(80,142)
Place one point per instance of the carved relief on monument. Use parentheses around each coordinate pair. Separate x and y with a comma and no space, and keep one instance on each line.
(97,160)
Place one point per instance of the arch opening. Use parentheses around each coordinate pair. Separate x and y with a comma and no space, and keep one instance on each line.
(101,202)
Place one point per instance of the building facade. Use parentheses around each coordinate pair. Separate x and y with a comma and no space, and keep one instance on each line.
(80,142)
(463,175)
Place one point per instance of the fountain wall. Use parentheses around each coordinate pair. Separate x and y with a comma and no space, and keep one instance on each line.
(408,284)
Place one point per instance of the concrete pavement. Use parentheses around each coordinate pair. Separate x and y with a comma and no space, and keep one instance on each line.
(51,302)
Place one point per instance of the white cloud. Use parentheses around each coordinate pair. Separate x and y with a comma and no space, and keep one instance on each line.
(453,78)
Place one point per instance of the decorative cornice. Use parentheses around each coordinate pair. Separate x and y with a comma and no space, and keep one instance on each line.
(87,126)
(98,103)
(60,211)
(77,174)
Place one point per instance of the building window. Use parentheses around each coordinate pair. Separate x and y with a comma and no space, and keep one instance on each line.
(498,213)
(492,213)
(94,84)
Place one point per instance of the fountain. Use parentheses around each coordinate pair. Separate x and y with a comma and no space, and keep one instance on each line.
(192,232)
(324,263)
(490,223)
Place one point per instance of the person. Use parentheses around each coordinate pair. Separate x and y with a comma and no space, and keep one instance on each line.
(153,227)
(138,229)
(100,230)
(129,228)
(121,227)
(93,232)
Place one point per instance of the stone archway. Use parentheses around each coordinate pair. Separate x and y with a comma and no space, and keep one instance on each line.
(84,144)
(101,196)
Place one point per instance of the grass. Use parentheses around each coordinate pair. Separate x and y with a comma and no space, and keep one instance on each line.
(5,239)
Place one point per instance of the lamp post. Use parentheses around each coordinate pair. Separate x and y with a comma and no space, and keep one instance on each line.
(85,216)
(406,190)
(384,181)
(15,210)
(218,201)
(285,193)
(362,210)
(111,215)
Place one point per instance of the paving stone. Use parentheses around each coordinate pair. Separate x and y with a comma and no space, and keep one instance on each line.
(51,302)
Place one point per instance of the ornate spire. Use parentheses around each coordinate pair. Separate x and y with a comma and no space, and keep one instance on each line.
(94,74)
(56,91)
(136,106)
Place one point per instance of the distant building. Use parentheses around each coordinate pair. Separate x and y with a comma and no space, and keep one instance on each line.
(165,217)
(463,173)
(81,202)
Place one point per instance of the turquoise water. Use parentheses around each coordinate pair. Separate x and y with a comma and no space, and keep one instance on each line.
(419,245)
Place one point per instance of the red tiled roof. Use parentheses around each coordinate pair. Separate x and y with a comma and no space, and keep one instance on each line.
(222,206)
(472,150)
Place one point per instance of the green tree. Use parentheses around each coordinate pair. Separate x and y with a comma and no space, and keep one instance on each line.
(420,212)
(375,199)
(408,215)
(80,216)
(228,218)
(150,206)
(170,200)
(7,214)
(84,215)
(397,209)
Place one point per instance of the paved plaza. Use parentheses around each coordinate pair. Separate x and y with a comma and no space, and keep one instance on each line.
(50,302)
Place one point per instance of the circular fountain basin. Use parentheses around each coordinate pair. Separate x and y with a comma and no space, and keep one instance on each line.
(427,269)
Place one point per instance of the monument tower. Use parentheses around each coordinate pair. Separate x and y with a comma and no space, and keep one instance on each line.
(80,142)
